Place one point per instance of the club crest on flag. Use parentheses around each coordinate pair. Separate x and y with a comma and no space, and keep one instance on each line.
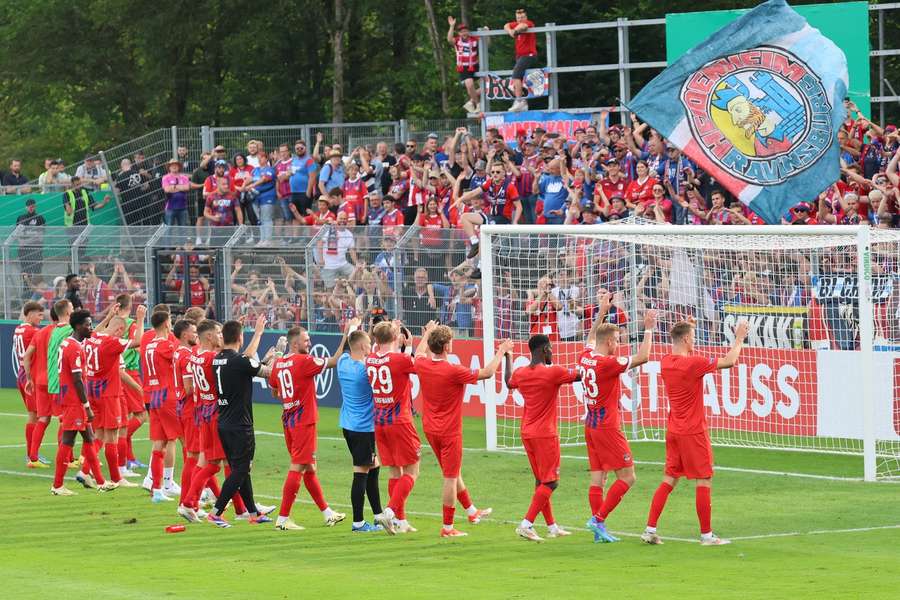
(761,114)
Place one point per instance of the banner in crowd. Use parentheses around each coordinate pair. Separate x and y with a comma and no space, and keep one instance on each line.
(846,287)
(770,326)
(563,123)
(757,105)
(536,84)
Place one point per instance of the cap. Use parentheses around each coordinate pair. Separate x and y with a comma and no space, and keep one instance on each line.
(540,130)
(432,136)
(219,148)
(588,208)
(521,131)
(221,163)
(547,145)
(461,26)
(335,153)
(175,161)
(480,165)
(58,280)
(611,161)
(30,202)
(434,174)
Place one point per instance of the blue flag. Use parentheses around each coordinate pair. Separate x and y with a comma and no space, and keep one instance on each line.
(757,105)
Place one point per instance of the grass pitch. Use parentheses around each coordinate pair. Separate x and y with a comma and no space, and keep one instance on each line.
(793,536)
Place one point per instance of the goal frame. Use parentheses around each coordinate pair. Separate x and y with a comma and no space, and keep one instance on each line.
(863,271)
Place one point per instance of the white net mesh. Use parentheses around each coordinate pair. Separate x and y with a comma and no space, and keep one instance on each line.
(794,387)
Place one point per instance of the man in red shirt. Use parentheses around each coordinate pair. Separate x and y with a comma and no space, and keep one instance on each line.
(526,55)
(185,331)
(608,450)
(501,204)
(443,387)
(293,381)
(688,449)
(32,314)
(77,413)
(395,434)
(466,48)
(158,364)
(539,384)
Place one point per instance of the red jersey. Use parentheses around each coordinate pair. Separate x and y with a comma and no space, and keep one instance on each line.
(182,370)
(499,198)
(539,386)
(615,188)
(526,43)
(602,387)
(204,383)
(70,361)
(102,359)
(210,185)
(22,337)
(41,342)
(158,365)
(392,219)
(198,292)
(293,378)
(466,53)
(98,297)
(389,377)
(430,235)
(443,387)
(640,192)
(683,380)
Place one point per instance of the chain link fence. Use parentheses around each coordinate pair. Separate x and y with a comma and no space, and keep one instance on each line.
(346,135)
(418,129)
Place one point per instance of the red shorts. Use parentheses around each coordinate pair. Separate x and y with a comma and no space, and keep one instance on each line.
(543,454)
(608,450)
(73,418)
(190,430)
(301,443)
(45,403)
(398,444)
(164,424)
(448,450)
(28,399)
(689,455)
(134,400)
(210,444)
(107,412)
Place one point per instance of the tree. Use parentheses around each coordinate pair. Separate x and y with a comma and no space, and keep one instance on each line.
(341,21)
(437,46)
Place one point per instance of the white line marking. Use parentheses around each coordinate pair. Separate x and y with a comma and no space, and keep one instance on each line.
(6,414)
(815,532)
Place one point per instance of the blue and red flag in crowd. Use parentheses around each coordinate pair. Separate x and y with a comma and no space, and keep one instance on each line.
(757,105)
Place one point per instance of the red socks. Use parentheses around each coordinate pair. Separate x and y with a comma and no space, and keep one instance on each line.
(199,481)
(401,491)
(62,463)
(37,436)
(547,511)
(29,428)
(704,508)
(213,485)
(112,461)
(122,449)
(133,425)
(464,500)
(187,473)
(289,492)
(156,467)
(311,481)
(658,503)
(595,498)
(92,463)
(448,515)
(616,491)
(540,498)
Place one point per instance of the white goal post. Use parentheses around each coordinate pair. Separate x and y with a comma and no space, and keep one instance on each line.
(821,367)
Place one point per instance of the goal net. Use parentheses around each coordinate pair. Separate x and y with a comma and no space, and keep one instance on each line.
(820,369)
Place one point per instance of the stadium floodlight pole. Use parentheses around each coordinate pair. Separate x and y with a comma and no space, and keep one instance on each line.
(489,393)
(866,355)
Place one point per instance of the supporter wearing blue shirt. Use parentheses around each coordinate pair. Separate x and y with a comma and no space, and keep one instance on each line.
(264,184)
(553,192)
(332,174)
(358,425)
(303,167)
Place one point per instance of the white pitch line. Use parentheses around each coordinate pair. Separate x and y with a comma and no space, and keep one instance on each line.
(53,443)
(508,522)
(6,414)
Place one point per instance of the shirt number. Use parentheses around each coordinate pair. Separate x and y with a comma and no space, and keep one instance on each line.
(92,357)
(148,360)
(200,378)
(589,381)
(380,380)
(286,381)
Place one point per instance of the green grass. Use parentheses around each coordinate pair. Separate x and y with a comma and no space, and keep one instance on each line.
(114,546)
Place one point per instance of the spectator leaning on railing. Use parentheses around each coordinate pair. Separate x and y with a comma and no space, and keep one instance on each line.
(13,180)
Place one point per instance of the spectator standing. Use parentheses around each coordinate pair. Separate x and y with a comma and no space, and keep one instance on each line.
(176,186)
(223,208)
(332,174)
(554,194)
(466,48)
(73,290)
(419,301)
(334,250)
(31,247)
(13,180)
(253,148)
(78,205)
(526,56)
(571,311)
(303,179)
(242,176)
(131,185)
(283,171)
(91,173)
(54,178)
(264,184)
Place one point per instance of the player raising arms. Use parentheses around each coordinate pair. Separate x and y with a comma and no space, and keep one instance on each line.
(293,381)
(395,435)
(158,364)
(443,387)
(688,449)
(77,412)
(539,384)
(357,422)
(608,449)
(32,314)
(132,401)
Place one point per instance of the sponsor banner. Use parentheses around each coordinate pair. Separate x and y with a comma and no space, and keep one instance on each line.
(770,326)
(562,123)
(845,288)
(536,83)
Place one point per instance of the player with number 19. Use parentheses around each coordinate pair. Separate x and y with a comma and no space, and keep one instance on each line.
(293,381)
(608,450)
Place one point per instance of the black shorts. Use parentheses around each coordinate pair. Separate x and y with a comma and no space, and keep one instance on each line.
(302,202)
(239,446)
(463,75)
(362,447)
(523,63)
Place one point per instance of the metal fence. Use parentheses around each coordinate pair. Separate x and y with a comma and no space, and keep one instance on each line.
(315,276)
(346,135)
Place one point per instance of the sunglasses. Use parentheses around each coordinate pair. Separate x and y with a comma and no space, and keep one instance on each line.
(410,145)
(497,172)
